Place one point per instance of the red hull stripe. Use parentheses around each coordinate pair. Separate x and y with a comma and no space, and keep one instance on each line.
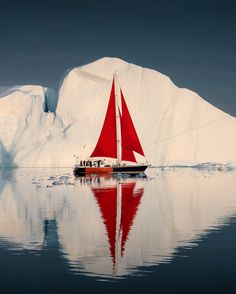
(98,170)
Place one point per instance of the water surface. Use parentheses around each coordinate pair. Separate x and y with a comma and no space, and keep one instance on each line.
(174,230)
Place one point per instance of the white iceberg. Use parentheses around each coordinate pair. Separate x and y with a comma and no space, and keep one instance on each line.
(175,126)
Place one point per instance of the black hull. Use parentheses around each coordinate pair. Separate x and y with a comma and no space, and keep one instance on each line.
(131,170)
(78,171)
(136,169)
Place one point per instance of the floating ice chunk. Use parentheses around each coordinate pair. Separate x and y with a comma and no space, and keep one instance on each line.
(216,166)
(36,182)
(69,183)
(64,177)
(51,178)
(57,183)
(142,175)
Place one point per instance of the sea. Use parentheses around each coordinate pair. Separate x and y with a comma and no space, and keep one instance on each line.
(171,230)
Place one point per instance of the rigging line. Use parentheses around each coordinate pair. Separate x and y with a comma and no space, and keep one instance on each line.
(188,131)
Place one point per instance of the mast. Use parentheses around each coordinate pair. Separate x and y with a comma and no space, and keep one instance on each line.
(118,128)
(118,226)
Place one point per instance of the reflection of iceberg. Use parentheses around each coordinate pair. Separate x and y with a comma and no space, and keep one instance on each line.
(23,209)
(156,216)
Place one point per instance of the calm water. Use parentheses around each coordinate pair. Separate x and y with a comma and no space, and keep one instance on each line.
(174,231)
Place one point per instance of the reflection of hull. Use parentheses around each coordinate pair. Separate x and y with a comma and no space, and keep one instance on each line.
(133,169)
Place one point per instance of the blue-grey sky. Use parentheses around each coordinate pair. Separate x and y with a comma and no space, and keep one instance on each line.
(193,42)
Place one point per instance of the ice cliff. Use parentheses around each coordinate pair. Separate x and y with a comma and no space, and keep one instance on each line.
(175,125)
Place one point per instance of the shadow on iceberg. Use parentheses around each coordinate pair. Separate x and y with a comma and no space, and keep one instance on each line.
(7,166)
(51,100)
(6,160)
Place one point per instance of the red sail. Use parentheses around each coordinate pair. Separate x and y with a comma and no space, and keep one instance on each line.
(129,137)
(128,155)
(106,145)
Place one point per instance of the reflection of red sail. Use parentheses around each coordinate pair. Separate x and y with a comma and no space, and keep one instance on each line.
(129,206)
(107,199)
(106,145)
(129,138)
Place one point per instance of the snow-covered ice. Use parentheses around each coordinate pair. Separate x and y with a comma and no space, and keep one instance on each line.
(175,125)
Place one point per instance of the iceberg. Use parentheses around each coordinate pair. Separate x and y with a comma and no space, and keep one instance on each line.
(39,128)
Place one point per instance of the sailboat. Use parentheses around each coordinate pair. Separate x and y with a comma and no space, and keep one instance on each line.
(118,139)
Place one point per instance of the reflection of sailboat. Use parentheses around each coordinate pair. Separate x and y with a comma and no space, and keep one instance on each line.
(118,205)
(181,207)
(118,139)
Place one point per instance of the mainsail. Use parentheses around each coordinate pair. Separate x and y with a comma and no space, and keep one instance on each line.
(106,145)
(107,200)
(107,142)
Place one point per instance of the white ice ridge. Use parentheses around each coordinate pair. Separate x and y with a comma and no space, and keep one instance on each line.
(175,125)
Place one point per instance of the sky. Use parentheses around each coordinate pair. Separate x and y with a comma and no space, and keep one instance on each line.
(193,42)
